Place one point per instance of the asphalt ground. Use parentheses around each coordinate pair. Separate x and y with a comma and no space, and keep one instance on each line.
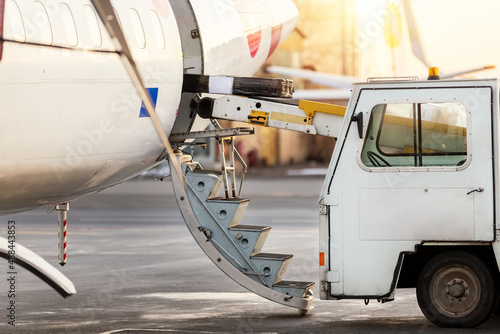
(137,269)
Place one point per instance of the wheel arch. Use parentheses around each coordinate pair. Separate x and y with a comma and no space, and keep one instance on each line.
(414,262)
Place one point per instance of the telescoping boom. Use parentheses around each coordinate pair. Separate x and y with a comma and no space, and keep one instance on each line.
(308,117)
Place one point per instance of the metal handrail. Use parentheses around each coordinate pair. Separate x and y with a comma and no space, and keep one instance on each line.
(235,154)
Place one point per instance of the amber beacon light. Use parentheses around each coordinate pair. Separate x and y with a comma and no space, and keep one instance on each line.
(433,73)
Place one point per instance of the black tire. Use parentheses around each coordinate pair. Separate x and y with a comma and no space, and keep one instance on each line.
(456,289)
(496,309)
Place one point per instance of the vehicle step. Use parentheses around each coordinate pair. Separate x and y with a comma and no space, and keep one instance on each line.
(207,171)
(295,288)
(272,266)
(226,200)
(204,183)
(272,256)
(250,238)
(228,211)
(193,166)
(244,228)
(294,284)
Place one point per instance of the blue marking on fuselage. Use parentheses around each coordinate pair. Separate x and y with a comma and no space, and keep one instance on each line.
(154,97)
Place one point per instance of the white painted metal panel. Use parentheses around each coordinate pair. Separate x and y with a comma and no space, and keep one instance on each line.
(244,29)
(416,214)
(70,121)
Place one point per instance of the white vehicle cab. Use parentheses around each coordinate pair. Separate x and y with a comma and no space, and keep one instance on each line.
(412,202)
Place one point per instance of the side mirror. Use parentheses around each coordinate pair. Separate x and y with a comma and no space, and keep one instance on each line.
(358,118)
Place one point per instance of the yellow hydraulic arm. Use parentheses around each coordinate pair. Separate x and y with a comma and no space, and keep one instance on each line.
(308,117)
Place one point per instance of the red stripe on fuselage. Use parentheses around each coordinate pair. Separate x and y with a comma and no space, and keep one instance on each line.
(276,33)
(254,42)
(162,7)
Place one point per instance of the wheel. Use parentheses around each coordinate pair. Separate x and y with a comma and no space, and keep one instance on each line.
(496,309)
(456,289)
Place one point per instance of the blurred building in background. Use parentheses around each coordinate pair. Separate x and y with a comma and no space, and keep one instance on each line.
(322,42)
(373,38)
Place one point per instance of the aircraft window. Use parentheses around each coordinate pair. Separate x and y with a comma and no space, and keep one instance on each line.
(42,22)
(93,25)
(15,22)
(69,24)
(416,135)
(158,29)
(138,28)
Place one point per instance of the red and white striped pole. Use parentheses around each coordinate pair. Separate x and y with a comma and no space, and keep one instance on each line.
(62,210)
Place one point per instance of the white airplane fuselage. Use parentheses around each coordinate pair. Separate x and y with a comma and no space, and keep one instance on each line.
(71,121)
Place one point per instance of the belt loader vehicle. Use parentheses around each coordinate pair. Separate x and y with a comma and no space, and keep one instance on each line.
(410,198)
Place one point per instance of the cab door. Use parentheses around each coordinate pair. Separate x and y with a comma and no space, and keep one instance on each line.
(422,172)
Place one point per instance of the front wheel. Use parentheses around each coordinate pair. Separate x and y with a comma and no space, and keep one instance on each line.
(456,289)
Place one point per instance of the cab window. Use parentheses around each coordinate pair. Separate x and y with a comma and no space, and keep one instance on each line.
(416,135)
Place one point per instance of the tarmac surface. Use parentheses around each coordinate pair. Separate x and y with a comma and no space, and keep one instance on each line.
(137,269)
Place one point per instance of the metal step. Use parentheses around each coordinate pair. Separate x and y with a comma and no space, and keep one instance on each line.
(230,211)
(295,288)
(235,249)
(251,238)
(273,266)
(208,183)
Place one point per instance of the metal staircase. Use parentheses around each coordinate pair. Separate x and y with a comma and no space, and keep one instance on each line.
(234,248)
